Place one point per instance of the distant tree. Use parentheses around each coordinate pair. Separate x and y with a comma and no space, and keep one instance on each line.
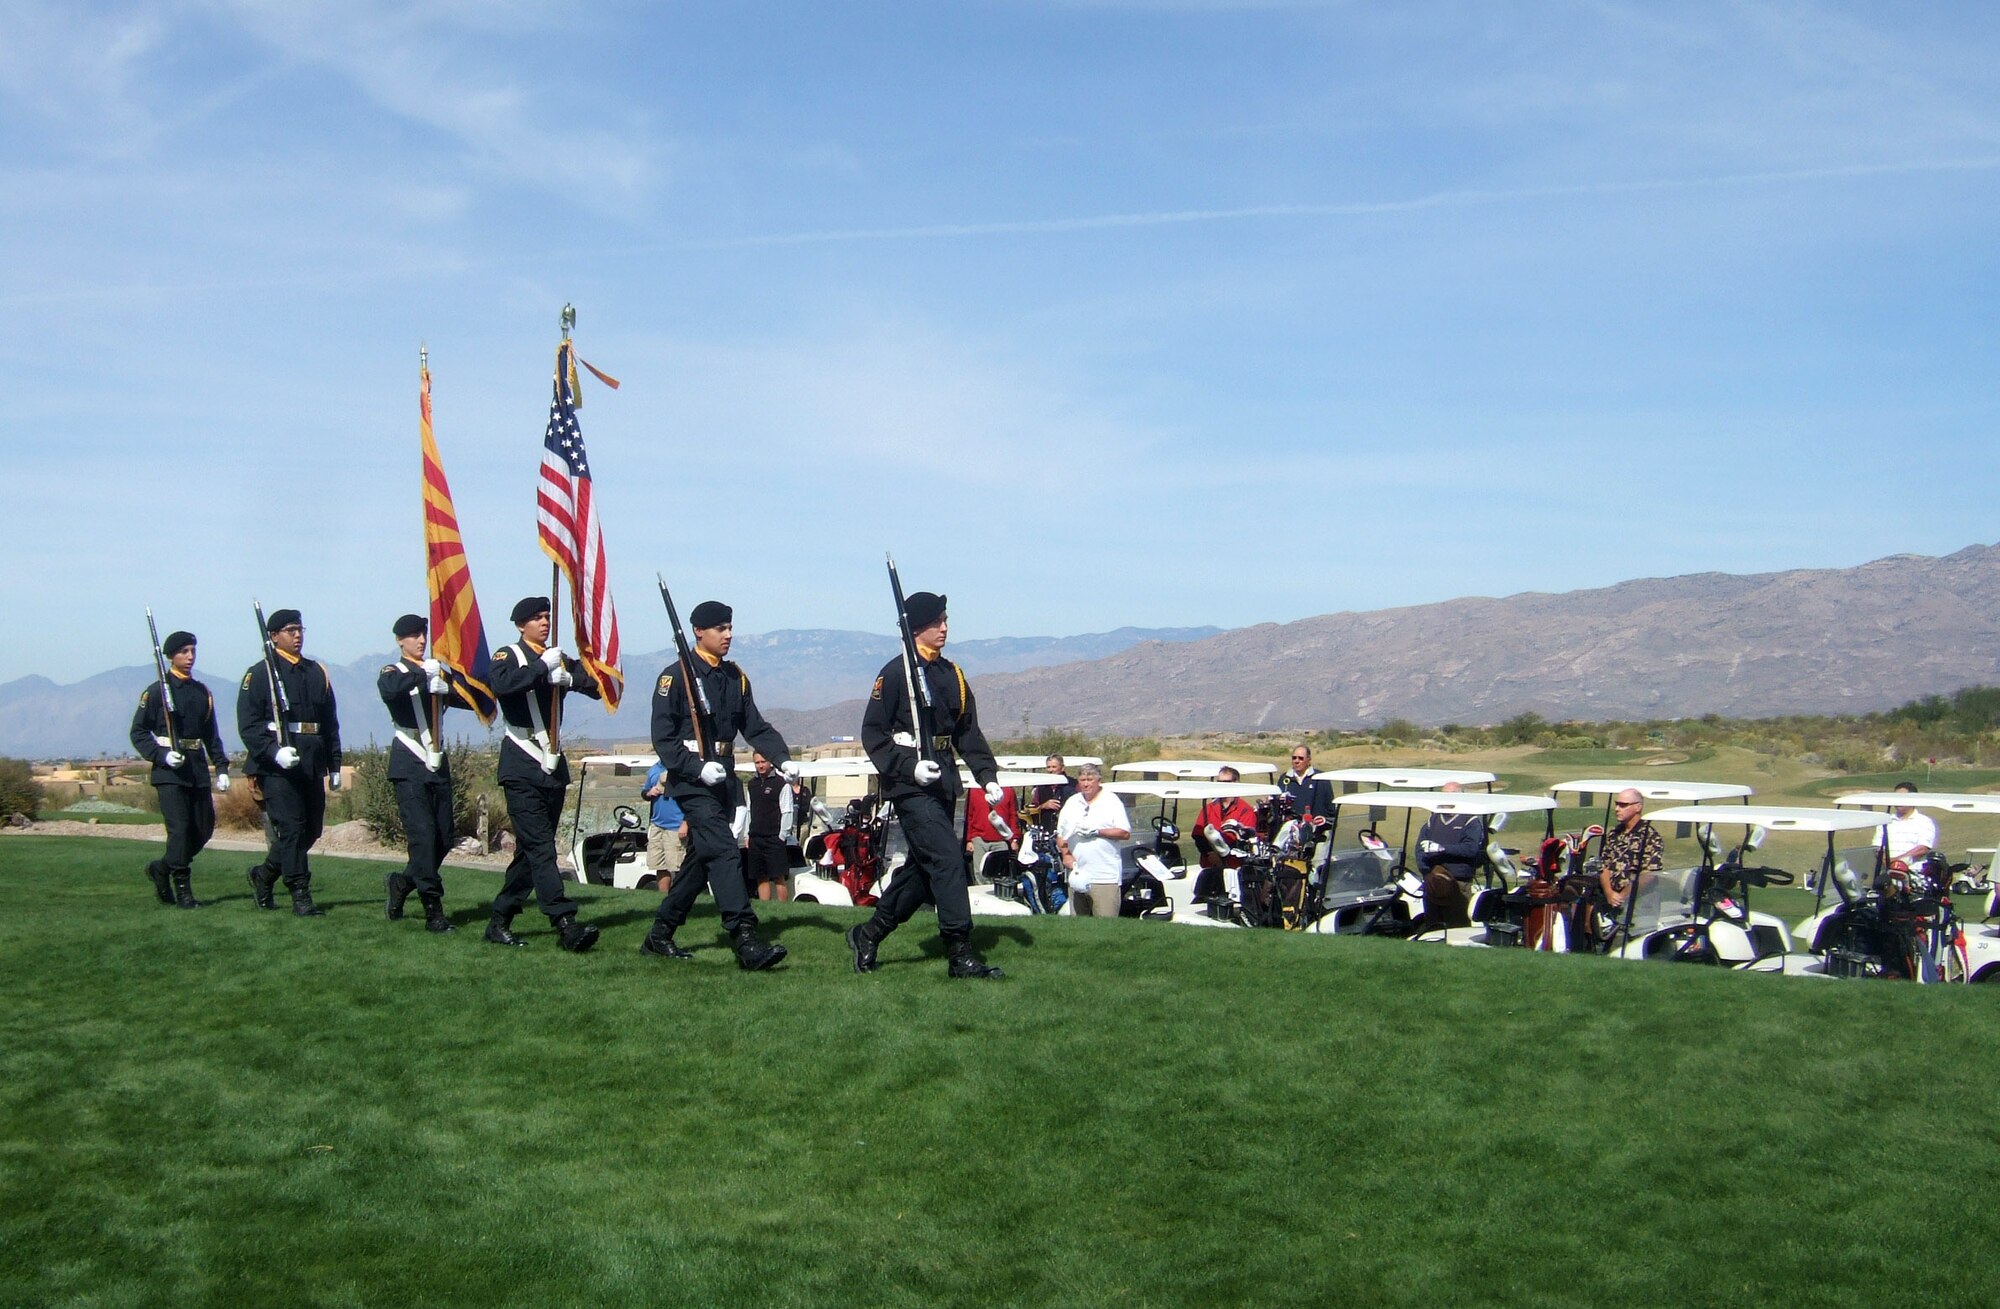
(20,793)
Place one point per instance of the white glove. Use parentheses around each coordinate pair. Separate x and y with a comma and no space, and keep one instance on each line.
(222,783)
(174,759)
(1429,847)
(287,757)
(561,677)
(995,793)
(434,759)
(790,768)
(712,773)
(552,658)
(438,685)
(333,780)
(433,667)
(928,771)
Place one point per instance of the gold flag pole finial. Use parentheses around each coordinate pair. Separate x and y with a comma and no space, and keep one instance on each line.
(568,320)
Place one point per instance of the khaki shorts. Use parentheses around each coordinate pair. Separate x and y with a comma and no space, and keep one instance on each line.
(664,851)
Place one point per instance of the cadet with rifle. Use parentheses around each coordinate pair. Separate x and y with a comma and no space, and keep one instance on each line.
(919,711)
(417,690)
(291,747)
(174,729)
(530,680)
(700,705)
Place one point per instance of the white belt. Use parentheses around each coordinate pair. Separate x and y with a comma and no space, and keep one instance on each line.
(537,747)
(409,739)
(168,742)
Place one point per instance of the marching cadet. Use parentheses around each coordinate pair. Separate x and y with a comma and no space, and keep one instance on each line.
(925,792)
(418,690)
(291,746)
(530,679)
(706,788)
(175,728)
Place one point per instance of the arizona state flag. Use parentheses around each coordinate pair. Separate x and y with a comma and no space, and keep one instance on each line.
(458,637)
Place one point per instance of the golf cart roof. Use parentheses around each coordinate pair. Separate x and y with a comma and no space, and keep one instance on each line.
(1949,802)
(1028,763)
(840,766)
(1655,789)
(1446,802)
(1191,789)
(621,761)
(1772,817)
(1409,779)
(1009,778)
(1192,769)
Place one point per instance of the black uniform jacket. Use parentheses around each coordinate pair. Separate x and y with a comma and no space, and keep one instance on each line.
(193,731)
(305,708)
(527,698)
(955,718)
(406,690)
(732,712)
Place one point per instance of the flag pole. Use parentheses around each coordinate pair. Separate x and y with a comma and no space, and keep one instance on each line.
(555,569)
(430,640)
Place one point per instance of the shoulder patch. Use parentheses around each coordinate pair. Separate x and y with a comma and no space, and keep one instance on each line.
(876,694)
(666,683)
(246,679)
(145,697)
(505,654)
(391,668)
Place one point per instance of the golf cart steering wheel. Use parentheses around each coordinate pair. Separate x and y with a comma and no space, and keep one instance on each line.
(626,816)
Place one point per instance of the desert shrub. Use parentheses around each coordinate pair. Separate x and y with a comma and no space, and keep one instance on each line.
(474,773)
(20,793)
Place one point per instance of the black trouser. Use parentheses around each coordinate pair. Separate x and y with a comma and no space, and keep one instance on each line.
(714,861)
(425,803)
(534,809)
(935,871)
(189,814)
(296,806)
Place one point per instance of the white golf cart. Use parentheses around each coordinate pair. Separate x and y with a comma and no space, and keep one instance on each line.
(1881,904)
(1704,915)
(1162,858)
(1187,770)
(1376,889)
(1349,780)
(607,822)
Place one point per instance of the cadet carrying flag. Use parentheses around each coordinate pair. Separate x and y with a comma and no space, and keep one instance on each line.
(458,638)
(566,515)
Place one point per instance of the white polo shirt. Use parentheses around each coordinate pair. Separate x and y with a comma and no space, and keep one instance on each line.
(1903,835)
(1097,858)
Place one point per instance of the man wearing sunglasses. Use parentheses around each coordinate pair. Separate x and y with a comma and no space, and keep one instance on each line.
(1312,795)
(1632,850)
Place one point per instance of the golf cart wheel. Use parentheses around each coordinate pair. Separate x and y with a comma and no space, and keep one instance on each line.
(650,882)
(806,899)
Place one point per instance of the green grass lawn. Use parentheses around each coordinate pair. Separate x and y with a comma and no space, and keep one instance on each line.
(228,1106)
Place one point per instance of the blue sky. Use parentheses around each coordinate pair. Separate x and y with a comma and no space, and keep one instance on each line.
(1095,313)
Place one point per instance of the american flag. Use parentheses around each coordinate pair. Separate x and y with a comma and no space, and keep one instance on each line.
(566,515)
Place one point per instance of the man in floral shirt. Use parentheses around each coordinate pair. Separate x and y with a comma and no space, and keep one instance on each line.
(1631,850)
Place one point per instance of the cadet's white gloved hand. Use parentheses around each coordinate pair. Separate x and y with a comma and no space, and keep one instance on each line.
(928,771)
(561,677)
(438,685)
(434,759)
(287,757)
(995,793)
(433,667)
(552,658)
(712,773)
(790,768)
(333,780)
(174,759)
(222,783)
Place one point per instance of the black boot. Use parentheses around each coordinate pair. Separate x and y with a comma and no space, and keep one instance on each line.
(864,939)
(573,936)
(500,930)
(262,879)
(964,963)
(184,889)
(660,941)
(434,919)
(399,886)
(303,906)
(158,873)
(754,954)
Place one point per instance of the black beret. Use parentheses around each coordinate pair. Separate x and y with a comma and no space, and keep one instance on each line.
(532,607)
(711,613)
(922,609)
(280,619)
(411,625)
(177,642)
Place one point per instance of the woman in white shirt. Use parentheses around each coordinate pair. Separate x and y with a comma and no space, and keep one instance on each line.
(1089,826)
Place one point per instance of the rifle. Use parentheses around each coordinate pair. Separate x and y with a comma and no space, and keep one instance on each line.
(922,715)
(697,694)
(166,687)
(281,704)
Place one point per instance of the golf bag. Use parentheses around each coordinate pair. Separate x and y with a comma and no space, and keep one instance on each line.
(1041,885)
(852,851)
(1275,894)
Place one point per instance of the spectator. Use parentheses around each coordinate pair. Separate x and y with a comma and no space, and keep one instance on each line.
(1209,836)
(982,834)
(1910,835)
(1449,851)
(1090,825)
(666,829)
(1312,796)
(1047,800)
(1631,853)
(768,844)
